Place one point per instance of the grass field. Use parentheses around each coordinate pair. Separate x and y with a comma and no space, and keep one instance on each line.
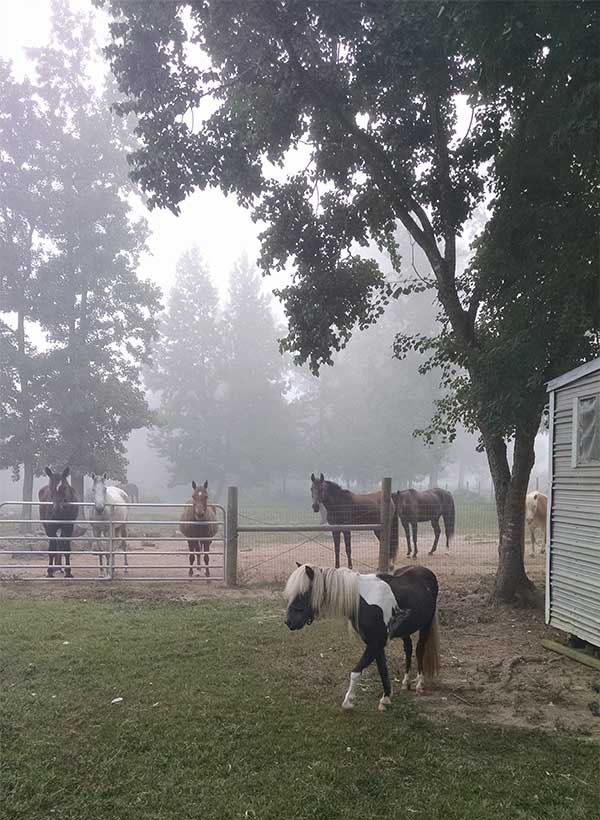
(225,714)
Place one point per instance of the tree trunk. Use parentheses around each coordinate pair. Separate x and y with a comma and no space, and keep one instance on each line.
(27,495)
(510,490)
(433,478)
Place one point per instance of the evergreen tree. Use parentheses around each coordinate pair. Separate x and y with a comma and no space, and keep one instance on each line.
(186,375)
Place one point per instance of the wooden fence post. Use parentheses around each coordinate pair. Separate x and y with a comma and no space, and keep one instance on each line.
(231,547)
(386,525)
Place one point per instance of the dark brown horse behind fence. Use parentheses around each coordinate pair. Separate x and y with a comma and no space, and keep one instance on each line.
(343,507)
(198,524)
(426,505)
(58,511)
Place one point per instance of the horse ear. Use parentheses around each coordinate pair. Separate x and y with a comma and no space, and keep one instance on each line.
(48,472)
(310,572)
(93,476)
(193,485)
(322,477)
(298,564)
(313,479)
(206,485)
(105,476)
(66,472)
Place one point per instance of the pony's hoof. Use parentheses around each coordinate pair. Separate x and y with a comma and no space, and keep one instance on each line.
(384,703)
(347,704)
(405,683)
(415,557)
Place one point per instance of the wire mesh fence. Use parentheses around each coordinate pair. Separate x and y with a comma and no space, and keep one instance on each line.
(270,557)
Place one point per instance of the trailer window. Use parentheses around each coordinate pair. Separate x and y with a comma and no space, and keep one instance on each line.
(588,430)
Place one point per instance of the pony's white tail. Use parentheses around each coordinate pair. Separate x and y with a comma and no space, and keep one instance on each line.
(431,657)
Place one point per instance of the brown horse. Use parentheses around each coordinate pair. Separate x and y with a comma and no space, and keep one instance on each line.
(198,524)
(58,511)
(343,507)
(413,506)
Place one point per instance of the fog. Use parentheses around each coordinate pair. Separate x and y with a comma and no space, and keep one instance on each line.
(224,404)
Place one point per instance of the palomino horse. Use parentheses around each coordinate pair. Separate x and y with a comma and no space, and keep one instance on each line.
(110,509)
(379,608)
(198,524)
(58,511)
(413,506)
(536,508)
(343,507)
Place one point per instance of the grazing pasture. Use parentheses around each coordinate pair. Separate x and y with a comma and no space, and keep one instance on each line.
(226,714)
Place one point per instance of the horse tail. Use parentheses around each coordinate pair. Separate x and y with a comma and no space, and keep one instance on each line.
(449,516)
(431,656)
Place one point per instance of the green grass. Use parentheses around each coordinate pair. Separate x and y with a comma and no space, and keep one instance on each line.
(226,714)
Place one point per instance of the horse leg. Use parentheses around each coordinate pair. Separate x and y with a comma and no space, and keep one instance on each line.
(532,537)
(67,532)
(367,658)
(192,549)
(206,545)
(420,651)
(435,523)
(124,547)
(385,699)
(50,571)
(336,546)
(414,535)
(406,526)
(408,648)
(348,545)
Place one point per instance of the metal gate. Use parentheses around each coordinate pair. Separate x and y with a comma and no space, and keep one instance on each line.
(24,555)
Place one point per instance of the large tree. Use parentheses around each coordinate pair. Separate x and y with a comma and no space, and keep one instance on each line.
(368,93)
(187,377)
(71,271)
(259,438)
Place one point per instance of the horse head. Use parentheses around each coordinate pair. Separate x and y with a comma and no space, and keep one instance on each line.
(200,500)
(298,591)
(99,492)
(60,490)
(317,491)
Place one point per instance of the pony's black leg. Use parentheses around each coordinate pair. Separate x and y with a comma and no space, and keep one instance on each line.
(192,549)
(406,526)
(50,571)
(206,545)
(348,545)
(367,658)
(385,680)
(336,546)
(408,648)
(435,523)
(414,533)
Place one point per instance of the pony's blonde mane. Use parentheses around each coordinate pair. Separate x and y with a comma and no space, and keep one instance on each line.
(334,592)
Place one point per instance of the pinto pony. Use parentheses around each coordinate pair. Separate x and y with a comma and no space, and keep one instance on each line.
(343,507)
(379,608)
(198,525)
(413,506)
(58,511)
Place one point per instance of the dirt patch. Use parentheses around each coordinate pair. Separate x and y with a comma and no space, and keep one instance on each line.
(495,669)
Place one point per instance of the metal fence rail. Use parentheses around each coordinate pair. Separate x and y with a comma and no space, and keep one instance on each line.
(155,565)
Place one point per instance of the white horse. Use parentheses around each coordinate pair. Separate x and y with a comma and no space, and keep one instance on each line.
(110,504)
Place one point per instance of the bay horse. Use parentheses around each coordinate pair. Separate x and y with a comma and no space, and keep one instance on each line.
(413,506)
(133,492)
(379,608)
(109,510)
(58,511)
(344,507)
(198,525)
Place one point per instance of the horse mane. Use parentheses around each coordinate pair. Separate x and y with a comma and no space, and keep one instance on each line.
(334,592)
(337,489)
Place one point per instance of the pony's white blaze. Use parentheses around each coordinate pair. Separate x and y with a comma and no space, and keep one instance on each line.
(376,592)
(333,592)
